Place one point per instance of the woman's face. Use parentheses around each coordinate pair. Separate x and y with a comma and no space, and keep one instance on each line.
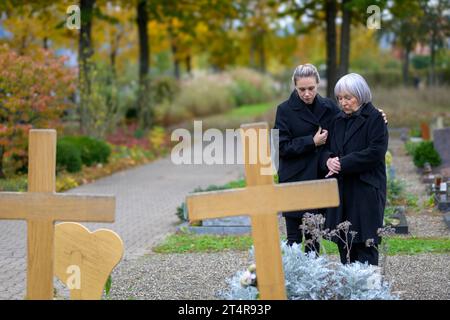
(348,103)
(307,89)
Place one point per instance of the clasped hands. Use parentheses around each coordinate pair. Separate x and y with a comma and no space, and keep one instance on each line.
(334,166)
(320,138)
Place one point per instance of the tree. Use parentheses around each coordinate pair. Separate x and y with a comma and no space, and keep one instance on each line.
(406,27)
(85,52)
(436,27)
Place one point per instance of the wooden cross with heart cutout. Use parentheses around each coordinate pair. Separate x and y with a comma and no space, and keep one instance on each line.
(41,207)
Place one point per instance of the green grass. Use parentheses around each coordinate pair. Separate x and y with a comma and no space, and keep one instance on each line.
(188,243)
(250,110)
(239,115)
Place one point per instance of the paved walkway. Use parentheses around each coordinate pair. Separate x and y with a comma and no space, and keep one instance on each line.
(146,202)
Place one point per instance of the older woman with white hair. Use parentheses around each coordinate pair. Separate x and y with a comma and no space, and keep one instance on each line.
(355,155)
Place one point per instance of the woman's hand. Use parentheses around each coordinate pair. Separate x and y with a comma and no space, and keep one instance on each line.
(384,115)
(333,165)
(320,138)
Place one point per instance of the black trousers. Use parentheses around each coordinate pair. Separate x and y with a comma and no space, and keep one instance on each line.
(295,235)
(359,252)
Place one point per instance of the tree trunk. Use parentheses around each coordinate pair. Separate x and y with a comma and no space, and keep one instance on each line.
(252,51)
(331,8)
(45,43)
(2,175)
(345,39)
(85,52)
(115,43)
(188,64)
(433,60)
(262,52)
(145,114)
(176,61)
(405,68)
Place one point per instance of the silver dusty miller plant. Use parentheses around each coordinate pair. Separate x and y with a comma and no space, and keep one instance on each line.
(313,277)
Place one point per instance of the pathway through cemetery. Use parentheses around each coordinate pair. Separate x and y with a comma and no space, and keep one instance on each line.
(146,202)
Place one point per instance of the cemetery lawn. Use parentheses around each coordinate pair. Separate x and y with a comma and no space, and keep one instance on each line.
(243,114)
(189,243)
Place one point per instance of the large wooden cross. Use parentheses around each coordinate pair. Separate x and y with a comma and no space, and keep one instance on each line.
(262,200)
(41,207)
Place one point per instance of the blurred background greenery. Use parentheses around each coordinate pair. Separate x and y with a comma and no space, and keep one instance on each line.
(132,70)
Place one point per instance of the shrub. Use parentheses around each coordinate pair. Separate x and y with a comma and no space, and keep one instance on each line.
(15,184)
(34,93)
(395,191)
(65,183)
(425,152)
(91,150)
(415,132)
(164,88)
(251,87)
(411,147)
(308,277)
(105,105)
(68,156)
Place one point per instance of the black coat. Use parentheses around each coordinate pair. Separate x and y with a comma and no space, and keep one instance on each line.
(297,125)
(362,179)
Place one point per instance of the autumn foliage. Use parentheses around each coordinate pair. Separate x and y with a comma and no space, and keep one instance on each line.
(35,90)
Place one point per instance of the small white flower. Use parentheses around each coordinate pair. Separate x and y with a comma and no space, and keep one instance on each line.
(246,279)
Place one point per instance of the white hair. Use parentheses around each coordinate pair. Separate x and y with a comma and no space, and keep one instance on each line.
(305,71)
(355,85)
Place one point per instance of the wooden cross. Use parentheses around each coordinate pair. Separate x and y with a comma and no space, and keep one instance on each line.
(41,207)
(262,200)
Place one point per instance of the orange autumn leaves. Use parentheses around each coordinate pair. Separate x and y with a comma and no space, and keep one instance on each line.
(34,91)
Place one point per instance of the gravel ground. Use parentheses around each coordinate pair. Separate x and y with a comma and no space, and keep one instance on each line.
(195,276)
(420,277)
(200,276)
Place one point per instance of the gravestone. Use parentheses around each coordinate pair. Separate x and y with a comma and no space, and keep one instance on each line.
(438,123)
(221,226)
(442,145)
(262,200)
(41,207)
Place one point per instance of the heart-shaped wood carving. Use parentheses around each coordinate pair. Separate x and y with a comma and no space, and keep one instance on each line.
(84,259)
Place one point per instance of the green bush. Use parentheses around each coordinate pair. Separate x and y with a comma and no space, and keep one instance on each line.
(91,150)
(164,88)
(411,147)
(15,184)
(68,156)
(395,191)
(425,152)
(415,132)
(249,87)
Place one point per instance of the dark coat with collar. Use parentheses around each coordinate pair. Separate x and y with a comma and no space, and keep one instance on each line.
(297,125)
(362,179)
